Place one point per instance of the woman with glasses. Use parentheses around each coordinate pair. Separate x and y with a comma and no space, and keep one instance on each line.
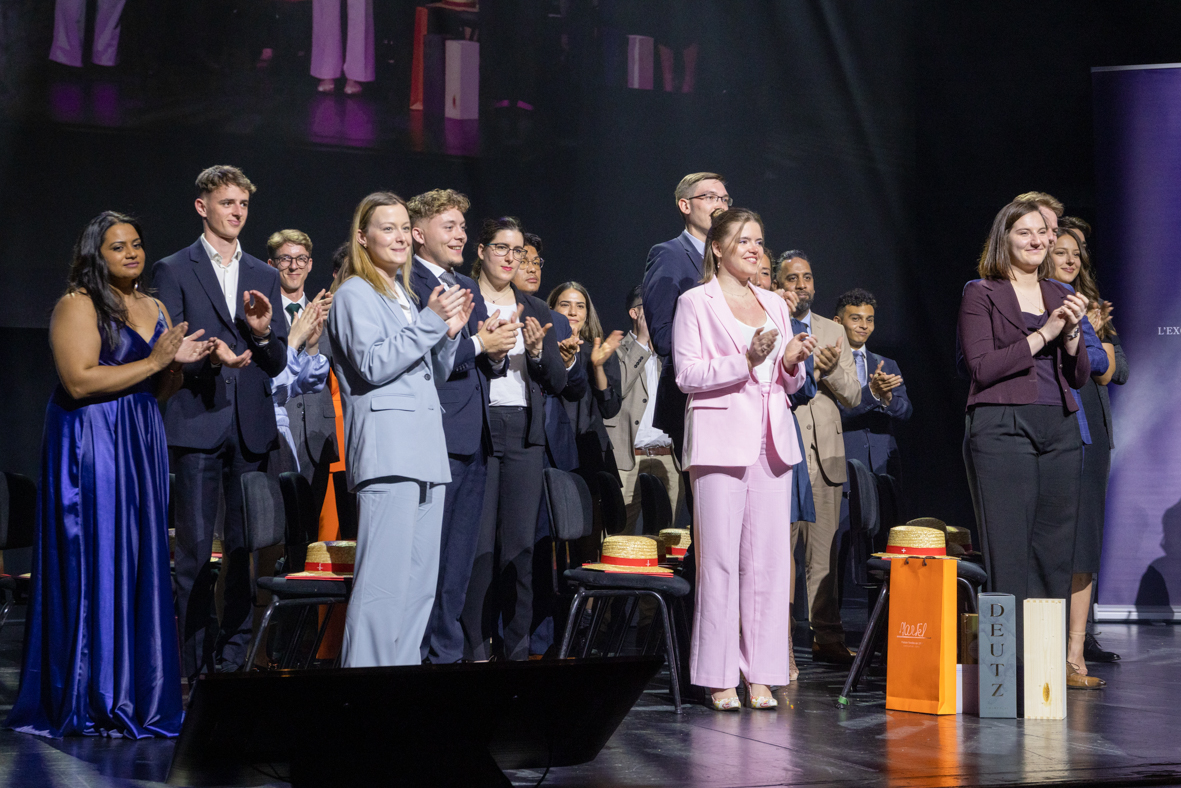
(501,586)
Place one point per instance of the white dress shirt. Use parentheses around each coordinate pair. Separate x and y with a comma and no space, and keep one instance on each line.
(647,436)
(226,273)
(511,389)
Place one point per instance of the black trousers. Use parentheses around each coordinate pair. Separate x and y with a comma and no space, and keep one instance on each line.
(1027,461)
(501,586)
(202,478)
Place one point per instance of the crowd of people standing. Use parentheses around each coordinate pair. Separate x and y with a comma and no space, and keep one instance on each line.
(438,398)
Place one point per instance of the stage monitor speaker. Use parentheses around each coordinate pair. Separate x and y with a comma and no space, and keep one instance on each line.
(436,725)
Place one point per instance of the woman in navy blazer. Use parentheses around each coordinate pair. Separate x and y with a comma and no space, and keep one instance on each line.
(389,354)
(1020,332)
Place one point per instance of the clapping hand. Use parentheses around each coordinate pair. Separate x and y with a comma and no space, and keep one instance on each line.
(798,349)
(827,357)
(534,333)
(793,300)
(307,326)
(498,336)
(605,347)
(454,306)
(882,384)
(1099,314)
(568,347)
(761,346)
(174,346)
(257,310)
(1067,317)
(225,356)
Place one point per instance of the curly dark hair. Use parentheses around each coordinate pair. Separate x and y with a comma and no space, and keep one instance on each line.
(856,297)
(89,274)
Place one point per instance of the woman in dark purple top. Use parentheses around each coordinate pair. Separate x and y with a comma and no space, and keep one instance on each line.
(1021,339)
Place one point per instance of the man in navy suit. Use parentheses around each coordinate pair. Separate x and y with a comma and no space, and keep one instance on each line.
(221,424)
(869,427)
(440,233)
(672,268)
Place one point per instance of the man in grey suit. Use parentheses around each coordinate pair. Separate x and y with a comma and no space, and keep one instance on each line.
(639,447)
(312,417)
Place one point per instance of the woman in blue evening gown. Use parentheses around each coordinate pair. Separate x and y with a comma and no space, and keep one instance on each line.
(100,652)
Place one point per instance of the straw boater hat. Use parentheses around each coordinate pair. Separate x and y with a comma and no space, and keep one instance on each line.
(929,522)
(328,561)
(674,542)
(915,540)
(630,555)
(959,538)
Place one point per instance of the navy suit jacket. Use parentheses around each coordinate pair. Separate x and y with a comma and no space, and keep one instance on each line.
(869,428)
(200,415)
(464,395)
(559,430)
(672,268)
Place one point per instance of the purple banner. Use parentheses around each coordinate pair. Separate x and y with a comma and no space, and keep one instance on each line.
(1138,254)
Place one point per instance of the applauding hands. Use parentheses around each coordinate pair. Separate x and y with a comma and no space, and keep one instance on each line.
(882,384)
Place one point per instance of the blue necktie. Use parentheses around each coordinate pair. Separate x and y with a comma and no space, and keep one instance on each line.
(861,374)
(808,390)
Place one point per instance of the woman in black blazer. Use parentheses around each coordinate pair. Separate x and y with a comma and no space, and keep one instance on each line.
(501,584)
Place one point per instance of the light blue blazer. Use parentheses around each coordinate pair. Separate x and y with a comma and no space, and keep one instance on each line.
(387,371)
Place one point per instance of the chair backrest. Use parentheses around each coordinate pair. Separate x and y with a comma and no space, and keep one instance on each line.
(611,504)
(18,511)
(262,510)
(889,508)
(655,504)
(864,518)
(571,510)
(302,521)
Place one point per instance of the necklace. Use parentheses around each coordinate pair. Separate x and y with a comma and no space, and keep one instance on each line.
(491,297)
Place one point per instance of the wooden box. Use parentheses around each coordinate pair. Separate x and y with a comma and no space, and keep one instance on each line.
(1045,659)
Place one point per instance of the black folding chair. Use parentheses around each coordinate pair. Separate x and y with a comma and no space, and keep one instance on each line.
(570,511)
(611,506)
(18,520)
(655,504)
(281,512)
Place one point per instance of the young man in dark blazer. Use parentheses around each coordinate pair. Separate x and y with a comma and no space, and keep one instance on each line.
(439,232)
(869,427)
(221,424)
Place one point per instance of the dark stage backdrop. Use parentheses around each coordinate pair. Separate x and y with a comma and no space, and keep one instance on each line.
(879,137)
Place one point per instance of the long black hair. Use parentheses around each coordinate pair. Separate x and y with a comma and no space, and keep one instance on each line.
(88,273)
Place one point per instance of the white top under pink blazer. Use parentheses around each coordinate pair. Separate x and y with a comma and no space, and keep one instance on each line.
(724,415)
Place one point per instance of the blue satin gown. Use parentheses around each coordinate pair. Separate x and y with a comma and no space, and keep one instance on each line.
(100,653)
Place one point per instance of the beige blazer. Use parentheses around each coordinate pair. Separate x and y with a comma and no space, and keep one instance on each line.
(621,428)
(820,419)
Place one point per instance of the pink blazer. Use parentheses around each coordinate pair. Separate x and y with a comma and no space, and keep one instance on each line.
(724,415)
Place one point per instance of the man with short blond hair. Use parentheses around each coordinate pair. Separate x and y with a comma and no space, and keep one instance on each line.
(439,232)
(221,423)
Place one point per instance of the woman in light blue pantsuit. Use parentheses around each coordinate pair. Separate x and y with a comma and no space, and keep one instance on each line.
(389,353)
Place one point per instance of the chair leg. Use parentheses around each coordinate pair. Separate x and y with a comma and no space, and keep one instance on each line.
(671,656)
(296,633)
(572,623)
(969,594)
(596,622)
(307,663)
(620,630)
(260,634)
(4,614)
(865,652)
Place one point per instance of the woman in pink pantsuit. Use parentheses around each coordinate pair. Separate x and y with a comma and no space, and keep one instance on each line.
(329,57)
(740,443)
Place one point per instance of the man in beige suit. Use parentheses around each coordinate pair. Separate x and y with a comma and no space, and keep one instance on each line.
(639,447)
(820,426)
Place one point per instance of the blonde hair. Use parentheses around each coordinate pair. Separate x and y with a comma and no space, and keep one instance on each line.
(684,189)
(592,328)
(213,178)
(297,237)
(430,204)
(720,231)
(359,263)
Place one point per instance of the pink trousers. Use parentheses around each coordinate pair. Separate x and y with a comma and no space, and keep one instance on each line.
(329,57)
(742,535)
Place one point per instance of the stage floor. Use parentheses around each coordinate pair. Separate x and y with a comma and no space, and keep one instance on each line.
(1126,734)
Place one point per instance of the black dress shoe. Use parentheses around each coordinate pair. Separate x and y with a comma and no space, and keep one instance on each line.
(1093,652)
(832,653)
(226,667)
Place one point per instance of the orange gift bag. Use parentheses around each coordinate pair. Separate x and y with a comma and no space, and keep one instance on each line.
(921,650)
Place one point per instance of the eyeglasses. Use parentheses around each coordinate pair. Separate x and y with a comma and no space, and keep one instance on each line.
(500,250)
(713,198)
(536,262)
(287,261)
